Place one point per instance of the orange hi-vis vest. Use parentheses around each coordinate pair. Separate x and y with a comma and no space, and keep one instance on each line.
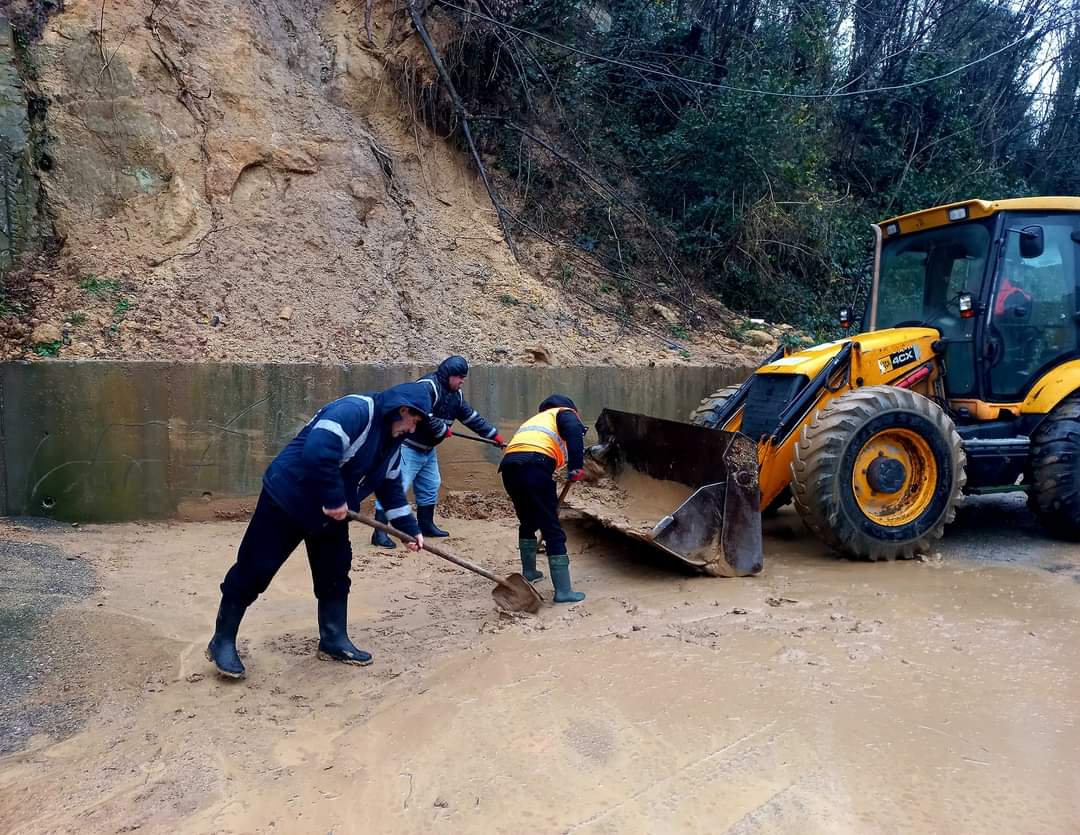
(540,433)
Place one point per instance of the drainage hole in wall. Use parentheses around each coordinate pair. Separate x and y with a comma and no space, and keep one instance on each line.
(48,503)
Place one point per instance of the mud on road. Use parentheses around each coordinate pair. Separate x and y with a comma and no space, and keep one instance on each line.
(823,696)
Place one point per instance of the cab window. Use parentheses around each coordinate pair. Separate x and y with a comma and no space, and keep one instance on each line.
(922,276)
(1033,312)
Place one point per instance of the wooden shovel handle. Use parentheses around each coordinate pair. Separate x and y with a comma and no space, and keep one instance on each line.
(562,495)
(479,440)
(438,552)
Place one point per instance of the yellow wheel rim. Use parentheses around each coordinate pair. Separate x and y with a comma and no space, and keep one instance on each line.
(906,493)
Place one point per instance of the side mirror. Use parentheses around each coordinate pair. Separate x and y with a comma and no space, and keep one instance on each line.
(1032,242)
(845,317)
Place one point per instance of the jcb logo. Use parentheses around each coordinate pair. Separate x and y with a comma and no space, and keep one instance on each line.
(898,359)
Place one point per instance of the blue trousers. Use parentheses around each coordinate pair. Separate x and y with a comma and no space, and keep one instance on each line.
(420,471)
(271,536)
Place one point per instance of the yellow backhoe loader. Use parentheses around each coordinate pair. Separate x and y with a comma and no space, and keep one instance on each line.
(965,378)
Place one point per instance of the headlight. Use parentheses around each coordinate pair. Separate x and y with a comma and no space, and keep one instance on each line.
(959,213)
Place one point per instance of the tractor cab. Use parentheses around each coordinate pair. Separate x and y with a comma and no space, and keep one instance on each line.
(998,281)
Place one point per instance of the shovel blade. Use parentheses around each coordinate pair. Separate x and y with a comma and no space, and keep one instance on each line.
(517,595)
(710,478)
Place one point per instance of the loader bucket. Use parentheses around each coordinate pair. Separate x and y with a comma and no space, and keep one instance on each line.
(692,492)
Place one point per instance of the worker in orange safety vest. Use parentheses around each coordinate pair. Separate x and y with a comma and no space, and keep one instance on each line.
(550,440)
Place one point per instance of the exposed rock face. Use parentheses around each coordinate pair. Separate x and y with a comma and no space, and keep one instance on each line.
(45,334)
(216,163)
(18,187)
(762,339)
(666,313)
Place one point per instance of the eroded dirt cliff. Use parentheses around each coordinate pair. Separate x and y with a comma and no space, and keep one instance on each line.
(246,181)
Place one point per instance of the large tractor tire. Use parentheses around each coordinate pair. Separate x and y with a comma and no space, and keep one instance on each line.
(706,412)
(878,473)
(705,415)
(1054,474)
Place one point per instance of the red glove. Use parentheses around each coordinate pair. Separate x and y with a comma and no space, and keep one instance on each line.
(575,475)
(499,440)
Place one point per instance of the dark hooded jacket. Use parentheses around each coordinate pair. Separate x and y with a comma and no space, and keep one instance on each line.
(344,454)
(571,430)
(449,406)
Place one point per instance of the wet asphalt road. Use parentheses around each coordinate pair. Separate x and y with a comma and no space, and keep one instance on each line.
(35,579)
(1000,529)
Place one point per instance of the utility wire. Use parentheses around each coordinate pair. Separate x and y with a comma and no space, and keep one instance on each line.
(730,87)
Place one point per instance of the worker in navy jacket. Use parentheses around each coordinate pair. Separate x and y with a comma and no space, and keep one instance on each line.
(419,462)
(349,450)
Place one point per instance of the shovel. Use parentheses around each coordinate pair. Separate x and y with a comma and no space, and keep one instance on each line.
(541,546)
(512,594)
(479,440)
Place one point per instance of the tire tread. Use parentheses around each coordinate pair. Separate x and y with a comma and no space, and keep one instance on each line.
(1054,471)
(820,449)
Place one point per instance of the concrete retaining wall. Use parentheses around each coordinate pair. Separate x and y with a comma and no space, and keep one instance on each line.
(101,441)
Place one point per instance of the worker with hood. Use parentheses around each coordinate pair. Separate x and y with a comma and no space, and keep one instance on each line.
(550,440)
(348,450)
(419,462)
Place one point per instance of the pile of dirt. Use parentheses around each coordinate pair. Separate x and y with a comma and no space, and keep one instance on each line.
(477,505)
(633,502)
(601,491)
(246,182)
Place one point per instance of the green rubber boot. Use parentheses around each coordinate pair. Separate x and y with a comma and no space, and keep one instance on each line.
(527,547)
(559,565)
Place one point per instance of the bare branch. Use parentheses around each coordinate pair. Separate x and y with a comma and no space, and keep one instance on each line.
(463,115)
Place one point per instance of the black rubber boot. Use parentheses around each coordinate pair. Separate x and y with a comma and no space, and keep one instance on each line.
(221,651)
(425,515)
(378,538)
(334,643)
(527,548)
(559,564)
